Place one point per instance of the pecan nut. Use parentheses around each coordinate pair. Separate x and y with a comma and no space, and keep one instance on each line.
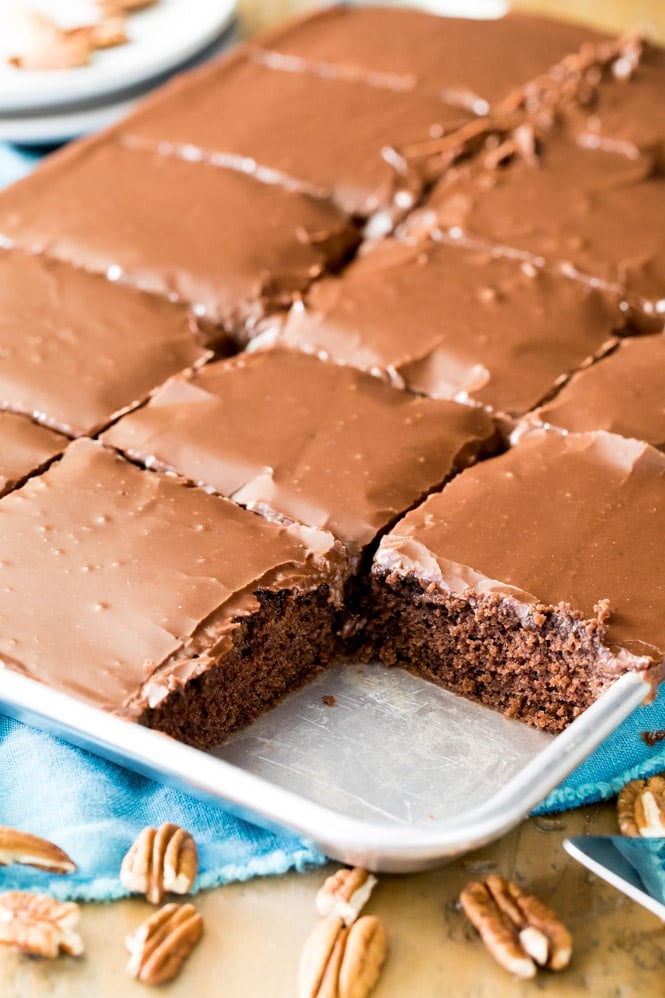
(44,45)
(519,931)
(40,925)
(30,850)
(160,945)
(641,807)
(341,962)
(159,861)
(344,894)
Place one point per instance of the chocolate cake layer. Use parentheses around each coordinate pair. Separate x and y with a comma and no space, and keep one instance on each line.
(125,588)
(223,242)
(25,447)
(321,135)
(77,349)
(451,322)
(289,435)
(470,63)
(591,211)
(534,579)
(623,393)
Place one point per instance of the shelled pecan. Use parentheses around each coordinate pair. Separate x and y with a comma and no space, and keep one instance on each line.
(641,807)
(339,962)
(30,850)
(160,945)
(345,893)
(519,931)
(159,861)
(39,925)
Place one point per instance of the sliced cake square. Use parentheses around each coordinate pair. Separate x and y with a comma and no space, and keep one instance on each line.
(157,601)
(533,580)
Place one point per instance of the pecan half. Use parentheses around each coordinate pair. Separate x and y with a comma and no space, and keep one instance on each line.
(345,893)
(161,944)
(339,962)
(39,925)
(159,861)
(44,45)
(30,850)
(641,807)
(519,930)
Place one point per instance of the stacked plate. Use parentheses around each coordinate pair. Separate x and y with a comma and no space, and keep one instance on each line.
(40,107)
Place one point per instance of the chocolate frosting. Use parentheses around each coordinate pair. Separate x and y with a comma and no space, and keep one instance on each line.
(575,519)
(61,327)
(472,63)
(132,572)
(219,240)
(623,393)
(624,110)
(456,323)
(291,436)
(592,211)
(25,447)
(320,135)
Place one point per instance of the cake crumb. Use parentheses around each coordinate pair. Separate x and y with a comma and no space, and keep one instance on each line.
(329,700)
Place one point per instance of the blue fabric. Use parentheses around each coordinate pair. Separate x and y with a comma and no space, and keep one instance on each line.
(623,756)
(94,809)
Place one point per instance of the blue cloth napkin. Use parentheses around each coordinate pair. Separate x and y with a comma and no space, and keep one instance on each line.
(94,809)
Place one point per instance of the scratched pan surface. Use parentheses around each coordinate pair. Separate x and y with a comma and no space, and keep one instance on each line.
(389,771)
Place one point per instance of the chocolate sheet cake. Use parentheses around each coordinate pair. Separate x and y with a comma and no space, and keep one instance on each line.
(77,349)
(25,447)
(593,212)
(160,602)
(533,580)
(533,151)
(453,322)
(328,446)
(216,239)
(321,135)
(473,64)
(623,393)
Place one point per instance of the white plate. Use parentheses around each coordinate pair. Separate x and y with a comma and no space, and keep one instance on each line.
(52,129)
(161,38)
(61,125)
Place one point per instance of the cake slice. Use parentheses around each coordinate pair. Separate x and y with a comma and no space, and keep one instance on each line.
(297,439)
(77,349)
(230,247)
(595,213)
(454,322)
(157,601)
(533,580)
(321,135)
(472,63)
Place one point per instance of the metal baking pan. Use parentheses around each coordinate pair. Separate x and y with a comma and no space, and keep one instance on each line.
(388,771)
